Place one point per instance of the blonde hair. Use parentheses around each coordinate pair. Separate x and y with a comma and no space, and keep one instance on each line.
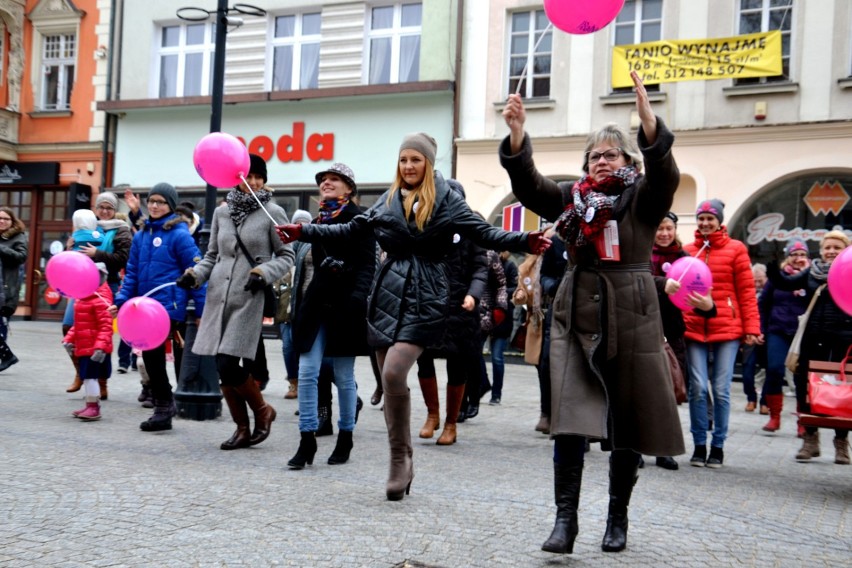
(613,134)
(424,194)
(835,234)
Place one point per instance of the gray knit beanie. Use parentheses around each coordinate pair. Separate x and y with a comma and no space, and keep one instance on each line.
(421,142)
(712,206)
(301,216)
(107,197)
(167,191)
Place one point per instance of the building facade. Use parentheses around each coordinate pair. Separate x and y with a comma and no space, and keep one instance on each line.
(774,149)
(53,67)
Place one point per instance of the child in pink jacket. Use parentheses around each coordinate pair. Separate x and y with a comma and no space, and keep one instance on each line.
(90,340)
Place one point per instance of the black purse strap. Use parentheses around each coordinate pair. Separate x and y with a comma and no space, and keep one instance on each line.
(245,250)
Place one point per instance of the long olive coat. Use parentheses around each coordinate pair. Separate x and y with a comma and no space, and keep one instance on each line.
(233,317)
(609,375)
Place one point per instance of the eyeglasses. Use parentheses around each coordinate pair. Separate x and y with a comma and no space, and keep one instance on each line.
(158,202)
(6,219)
(105,208)
(799,253)
(610,155)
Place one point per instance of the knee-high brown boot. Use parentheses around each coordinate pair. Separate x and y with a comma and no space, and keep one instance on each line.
(264,414)
(239,413)
(102,383)
(455,395)
(398,419)
(77,383)
(429,387)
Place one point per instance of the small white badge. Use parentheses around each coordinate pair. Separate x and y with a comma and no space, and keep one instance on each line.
(456,238)
(416,206)
(96,234)
(590,214)
(157,241)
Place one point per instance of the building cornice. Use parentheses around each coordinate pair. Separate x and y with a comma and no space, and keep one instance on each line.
(276,96)
(59,148)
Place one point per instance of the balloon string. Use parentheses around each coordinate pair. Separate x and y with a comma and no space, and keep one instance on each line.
(527,64)
(704,246)
(253,194)
(160,287)
(104,300)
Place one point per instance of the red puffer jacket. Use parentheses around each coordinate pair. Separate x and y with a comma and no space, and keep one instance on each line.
(733,291)
(92,328)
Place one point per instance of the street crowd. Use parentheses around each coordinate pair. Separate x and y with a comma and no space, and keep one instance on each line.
(419,277)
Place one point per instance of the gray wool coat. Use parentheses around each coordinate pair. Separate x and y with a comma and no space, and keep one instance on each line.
(233,317)
(610,379)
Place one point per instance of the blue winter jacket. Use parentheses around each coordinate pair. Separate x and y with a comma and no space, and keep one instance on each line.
(161,251)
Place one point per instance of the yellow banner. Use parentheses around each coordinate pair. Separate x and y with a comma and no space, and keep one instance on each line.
(738,57)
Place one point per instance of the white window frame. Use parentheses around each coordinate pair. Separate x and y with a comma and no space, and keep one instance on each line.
(765,11)
(67,69)
(207,48)
(637,25)
(297,41)
(49,22)
(396,32)
(533,37)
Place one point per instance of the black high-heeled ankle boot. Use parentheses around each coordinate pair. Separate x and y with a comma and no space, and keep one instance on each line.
(341,449)
(566,484)
(305,453)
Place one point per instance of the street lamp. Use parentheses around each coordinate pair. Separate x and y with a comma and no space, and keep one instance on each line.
(198,396)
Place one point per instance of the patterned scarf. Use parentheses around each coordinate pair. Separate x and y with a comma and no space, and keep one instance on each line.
(819,269)
(661,255)
(331,208)
(241,204)
(591,206)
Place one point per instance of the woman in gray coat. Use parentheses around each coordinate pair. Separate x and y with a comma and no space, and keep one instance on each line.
(610,378)
(232,321)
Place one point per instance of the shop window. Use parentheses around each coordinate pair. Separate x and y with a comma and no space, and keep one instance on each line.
(296,52)
(757,16)
(393,43)
(18,201)
(640,21)
(185,60)
(530,54)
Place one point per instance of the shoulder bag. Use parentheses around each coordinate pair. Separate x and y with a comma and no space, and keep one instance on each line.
(792,360)
(829,391)
(678,382)
(270,300)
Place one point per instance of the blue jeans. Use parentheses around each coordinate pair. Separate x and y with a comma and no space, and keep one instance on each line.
(344,377)
(777,346)
(710,363)
(498,364)
(124,349)
(749,371)
(291,358)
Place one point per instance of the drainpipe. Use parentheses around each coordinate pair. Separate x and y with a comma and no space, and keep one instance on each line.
(457,81)
(109,119)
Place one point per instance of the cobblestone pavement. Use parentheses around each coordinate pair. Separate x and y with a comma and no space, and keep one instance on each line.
(107,494)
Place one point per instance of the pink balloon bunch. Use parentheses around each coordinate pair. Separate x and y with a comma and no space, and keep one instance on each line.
(694,276)
(220,159)
(582,16)
(73,274)
(143,322)
(840,280)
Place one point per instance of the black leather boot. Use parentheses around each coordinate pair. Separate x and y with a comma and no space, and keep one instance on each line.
(566,484)
(341,449)
(623,473)
(164,411)
(305,453)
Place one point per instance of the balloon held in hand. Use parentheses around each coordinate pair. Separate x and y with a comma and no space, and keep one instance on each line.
(143,323)
(221,159)
(73,274)
(840,280)
(693,276)
(582,16)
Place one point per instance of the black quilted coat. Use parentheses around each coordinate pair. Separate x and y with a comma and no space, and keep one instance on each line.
(411,292)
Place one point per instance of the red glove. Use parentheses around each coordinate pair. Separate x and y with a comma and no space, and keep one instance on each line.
(537,242)
(498,315)
(289,233)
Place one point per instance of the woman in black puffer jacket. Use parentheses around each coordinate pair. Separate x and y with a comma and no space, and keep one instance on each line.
(828,335)
(414,223)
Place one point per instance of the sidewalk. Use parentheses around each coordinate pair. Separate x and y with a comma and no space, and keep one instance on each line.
(107,494)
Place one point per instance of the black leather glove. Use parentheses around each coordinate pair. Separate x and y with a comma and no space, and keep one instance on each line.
(186,280)
(255,283)
(6,311)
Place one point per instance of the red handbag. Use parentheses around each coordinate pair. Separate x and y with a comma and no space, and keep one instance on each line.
(828,390)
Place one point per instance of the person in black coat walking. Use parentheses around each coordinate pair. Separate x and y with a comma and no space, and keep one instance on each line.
(414,223)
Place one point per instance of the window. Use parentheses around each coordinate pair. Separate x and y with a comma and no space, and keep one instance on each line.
(640,21)
(186,60)
(530,54)
(393,43)
(764,16)
(59,53)
(295,52)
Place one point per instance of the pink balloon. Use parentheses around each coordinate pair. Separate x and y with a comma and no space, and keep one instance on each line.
(840,280)
(694,276)
(220,159)
(582,16)
(143,323)
(73,274)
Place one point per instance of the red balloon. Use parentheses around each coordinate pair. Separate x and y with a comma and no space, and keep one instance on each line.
(840,280)
(582,16)
(220,159)
(694,276)
(73,274)
(143,322)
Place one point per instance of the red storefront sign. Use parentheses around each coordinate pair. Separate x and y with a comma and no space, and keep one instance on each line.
(293,147)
